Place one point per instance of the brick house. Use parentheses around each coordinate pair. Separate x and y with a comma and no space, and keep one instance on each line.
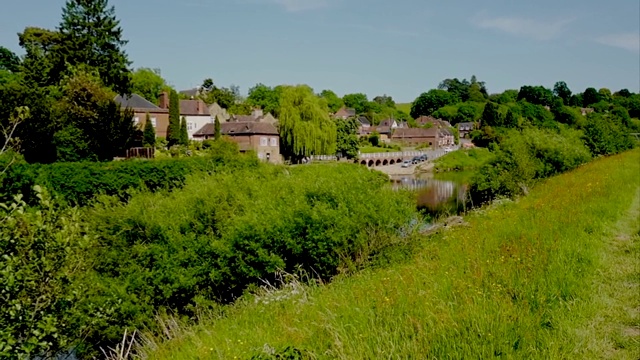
(424,120)
(418,136)
(140,106)
(261,137)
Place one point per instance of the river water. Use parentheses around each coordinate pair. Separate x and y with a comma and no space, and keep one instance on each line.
(436,195)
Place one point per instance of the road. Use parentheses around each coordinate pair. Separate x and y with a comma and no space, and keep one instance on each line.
(397,169)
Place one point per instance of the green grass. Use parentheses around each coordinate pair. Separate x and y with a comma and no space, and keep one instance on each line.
(525,280)
(463,160)
(406,107)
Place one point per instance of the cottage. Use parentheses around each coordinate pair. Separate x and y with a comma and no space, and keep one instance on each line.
(391,123)
(141,107)
(344,113)
(439,123)
(465,128)
(261,137)
(418,136)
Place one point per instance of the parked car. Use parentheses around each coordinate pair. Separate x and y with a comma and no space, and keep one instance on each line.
(406,163)
(415,160)
(424,157)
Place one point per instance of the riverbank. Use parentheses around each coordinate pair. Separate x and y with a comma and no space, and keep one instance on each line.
(522,280)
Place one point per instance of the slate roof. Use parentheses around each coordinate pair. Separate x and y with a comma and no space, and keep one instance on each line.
(345,112)
(193,107)
(382,129)
(191,92)
(137,102)
(465,126)
(238,128)
(363,120)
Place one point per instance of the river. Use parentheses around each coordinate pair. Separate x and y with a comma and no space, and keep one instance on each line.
(439,194)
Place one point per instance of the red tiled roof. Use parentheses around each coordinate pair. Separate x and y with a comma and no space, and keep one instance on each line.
(415,132)
(238,128)
(193,107)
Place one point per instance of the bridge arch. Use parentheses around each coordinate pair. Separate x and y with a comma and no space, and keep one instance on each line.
(370,164)
(385,162)
(399,160)
(378,162)
(363,162)
(391,162)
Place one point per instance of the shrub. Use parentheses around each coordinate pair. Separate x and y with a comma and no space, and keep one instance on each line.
(606,134)
(463,160)
(523,157)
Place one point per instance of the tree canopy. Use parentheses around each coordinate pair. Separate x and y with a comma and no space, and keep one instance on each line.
(427,103)
(148,83)
(334,102)
(357,101)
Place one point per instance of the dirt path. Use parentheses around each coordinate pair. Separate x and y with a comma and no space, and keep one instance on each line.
(617,323)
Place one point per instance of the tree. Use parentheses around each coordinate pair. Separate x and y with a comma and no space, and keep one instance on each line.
(561,90)
(466,113)
(91,35)
(357,101)
(333,101)
(508,96)
(91,125)
(590,96)
(8,60)
(149,133)
(427,103)
(346,138)
(265,97)
(490,116)
(39,61)
(605,94)
(216,127)
(148,83)
(511,119)
(623,93)
(385,101)
(537,95)
(305,126)
(173,130)
(459,89)
(184,134)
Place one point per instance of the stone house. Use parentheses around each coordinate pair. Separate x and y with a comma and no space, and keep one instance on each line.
(418,136)
(464,128)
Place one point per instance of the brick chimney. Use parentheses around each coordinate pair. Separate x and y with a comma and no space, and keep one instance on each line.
(163,100)
(257,113)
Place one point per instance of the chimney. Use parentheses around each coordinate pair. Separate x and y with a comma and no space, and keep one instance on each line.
(163,100)
(257,113)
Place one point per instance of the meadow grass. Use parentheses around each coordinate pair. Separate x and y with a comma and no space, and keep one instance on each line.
(463,160)
(406,107)
(549,276)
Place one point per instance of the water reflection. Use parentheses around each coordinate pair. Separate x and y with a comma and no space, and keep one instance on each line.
(434,196)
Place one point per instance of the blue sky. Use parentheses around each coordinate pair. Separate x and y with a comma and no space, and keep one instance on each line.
(399,48)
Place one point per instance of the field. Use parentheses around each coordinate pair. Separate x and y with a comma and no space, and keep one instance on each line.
(406,107)
(552,275)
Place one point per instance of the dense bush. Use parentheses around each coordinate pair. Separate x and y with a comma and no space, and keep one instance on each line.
(523,157)
(224,232)
(79,183)
(463,160)
(607,135)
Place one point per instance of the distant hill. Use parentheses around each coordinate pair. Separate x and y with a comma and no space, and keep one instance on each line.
(406,107)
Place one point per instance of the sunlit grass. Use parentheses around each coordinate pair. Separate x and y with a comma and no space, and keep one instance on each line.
(522,281)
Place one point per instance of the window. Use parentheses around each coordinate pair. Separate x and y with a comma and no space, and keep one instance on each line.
(260,156)
(274,142)
(136,120)
(153,122)
(191,126)
(263,141)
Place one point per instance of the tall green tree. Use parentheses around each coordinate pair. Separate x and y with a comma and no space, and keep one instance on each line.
(148,83)
(8,60)
(427,103)
(184,135)
(561,90)
(173,130)
(305,126)
(491,116)
(590,97)
(538,95)
(346,138)
(216,129)
(358,102)
(266,98)
(334,102)
(149,133)
(91,35)
(39,64)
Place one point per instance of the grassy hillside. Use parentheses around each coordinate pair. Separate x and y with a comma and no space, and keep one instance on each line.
(406,107)
(552,275)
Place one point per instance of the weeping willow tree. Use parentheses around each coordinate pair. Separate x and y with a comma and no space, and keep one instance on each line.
(305,126)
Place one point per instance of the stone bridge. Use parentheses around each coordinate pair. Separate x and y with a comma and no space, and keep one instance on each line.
(388,158)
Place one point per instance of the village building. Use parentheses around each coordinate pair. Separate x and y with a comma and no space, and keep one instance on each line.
(344,113)
(260,137)
(417,136)
(141,107)
(464,128)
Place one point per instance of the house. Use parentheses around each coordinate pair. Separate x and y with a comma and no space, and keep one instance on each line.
(586,111)
(384,131)
(392,124)
(403,125)
(418,136)
(424,120)
(446,137)
(363,122)
(261,137)
(344,113)
(141,107)
(195,112)
(465,128)
(257,115)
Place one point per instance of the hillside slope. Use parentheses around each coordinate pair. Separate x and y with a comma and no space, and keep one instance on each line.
(521,281)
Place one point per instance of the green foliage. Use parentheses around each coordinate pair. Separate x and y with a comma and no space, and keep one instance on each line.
(9,61)
(537,115)
(148,83)
(265,97)
(42,253)
(359,102)
(347,138)
(91,126)
(427,103)
(91,35)
(606,134)
(507,96)
(334,102)
(225,97)
(184,135)
(537,95)
(305,126)
(463,160)
(561,90)
(374,139)
(524,157)
(81,183)
(173,129)
(149,133)
(216,126)
(590,96)
(491,115)
(224,232)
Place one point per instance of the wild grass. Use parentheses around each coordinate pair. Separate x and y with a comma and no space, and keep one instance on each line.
(463,160)
(524,280)
(406,107)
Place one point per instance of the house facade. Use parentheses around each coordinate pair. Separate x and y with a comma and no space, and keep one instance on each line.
(465,128)
(261,137)
(424,120)
(418,136)
(344,113)
(390,123)
(141,107)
